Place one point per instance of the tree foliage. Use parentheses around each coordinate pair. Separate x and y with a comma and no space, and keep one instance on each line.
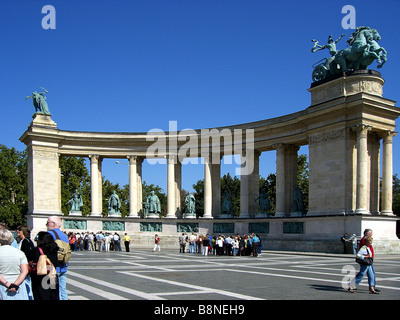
(13,186)
(396,195)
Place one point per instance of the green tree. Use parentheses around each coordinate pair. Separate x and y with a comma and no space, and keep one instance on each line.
(303,177)
(199,196)
(13,186)
(396,195)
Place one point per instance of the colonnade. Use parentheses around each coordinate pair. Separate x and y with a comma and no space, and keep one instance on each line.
(367,180)
(368,170)
(249,188)
(343,128)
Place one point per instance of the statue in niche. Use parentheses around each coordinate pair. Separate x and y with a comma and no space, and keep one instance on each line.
(298,204)
(226,203)
(76,202)
(190,203)
(39,101)
(154,205)
(265,205)
(114,204)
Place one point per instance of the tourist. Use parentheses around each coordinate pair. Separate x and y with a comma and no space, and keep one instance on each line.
(27,246)
(99,241)
(117,242)
(259,246)
(79,241)
(210,247)
(214,245)
(228,245)
(44,287)
(255,240)
(249,248)
(13,269)
(127,240)
(206,244)
(107,242)
(199,243)
(368,233)
(242,245)
(156,243)
(192,243)
(182,242)
(54,224)
(72,241)
(220,246)
(364,252)
(235,246)
(91,245)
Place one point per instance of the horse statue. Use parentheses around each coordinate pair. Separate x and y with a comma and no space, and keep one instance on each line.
(362,50)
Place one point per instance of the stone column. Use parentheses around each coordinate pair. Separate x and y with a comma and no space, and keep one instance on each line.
(94,184)
(100,184)
(291,178)
(139,162)
(254,183)
(207,187)
(280,180)
(244,186)
(387,173)
(178,187)
(216,189)
(374,151)
(133,188)
(171,186)
(362,168)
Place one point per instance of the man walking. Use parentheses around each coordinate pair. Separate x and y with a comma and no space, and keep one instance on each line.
(54,224)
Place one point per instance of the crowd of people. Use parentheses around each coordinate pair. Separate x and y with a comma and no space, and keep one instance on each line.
(19,261)
(100,241)
(238,245)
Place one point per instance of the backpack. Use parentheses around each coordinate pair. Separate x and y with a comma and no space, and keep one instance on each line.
(64,250)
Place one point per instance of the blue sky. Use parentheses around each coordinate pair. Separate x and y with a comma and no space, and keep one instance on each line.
(132,66)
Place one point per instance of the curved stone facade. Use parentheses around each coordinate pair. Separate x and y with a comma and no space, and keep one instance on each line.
(343,128)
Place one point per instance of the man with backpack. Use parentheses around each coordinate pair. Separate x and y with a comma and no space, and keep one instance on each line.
(64,253)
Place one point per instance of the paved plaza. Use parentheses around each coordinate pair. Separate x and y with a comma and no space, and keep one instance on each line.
(170,275)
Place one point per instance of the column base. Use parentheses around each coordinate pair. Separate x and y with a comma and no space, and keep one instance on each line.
(387,213)
(75,213)
(280,215)
(362,211)
(95,214)
(152,216)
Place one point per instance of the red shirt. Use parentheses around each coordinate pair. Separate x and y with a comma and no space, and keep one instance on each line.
(362,243)
(157,240)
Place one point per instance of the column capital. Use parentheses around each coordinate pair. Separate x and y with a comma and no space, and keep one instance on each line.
(132,159)
(388,136)
(278,146)
(172,159)
(361,129)
(94,158)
